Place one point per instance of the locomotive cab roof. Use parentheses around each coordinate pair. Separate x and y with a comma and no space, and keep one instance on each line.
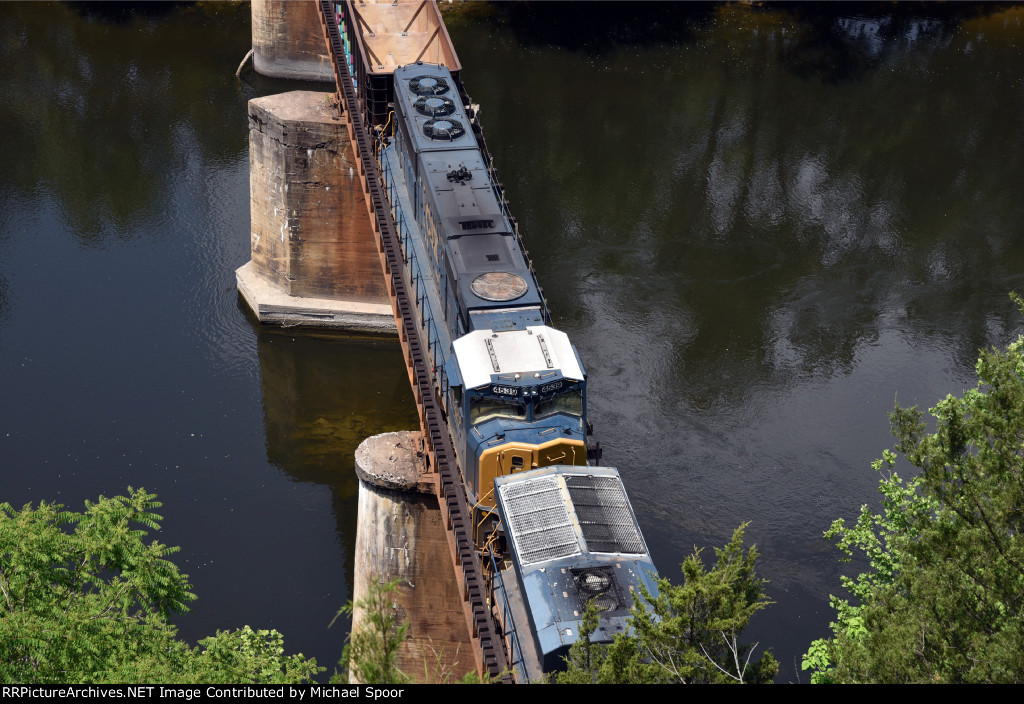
(537,354)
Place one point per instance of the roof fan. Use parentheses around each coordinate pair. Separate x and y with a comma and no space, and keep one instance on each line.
(445,129)
(597,584)
(428,85)
(433,106)
(592,582)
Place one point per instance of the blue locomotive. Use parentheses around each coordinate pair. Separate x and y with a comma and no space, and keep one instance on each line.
(514,389)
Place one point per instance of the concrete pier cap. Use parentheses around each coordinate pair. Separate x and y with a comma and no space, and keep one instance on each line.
(390,461)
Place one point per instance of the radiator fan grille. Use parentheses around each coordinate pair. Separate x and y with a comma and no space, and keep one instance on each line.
(539,521)
(445,130)
(605,516)
(434,107)
(428,85)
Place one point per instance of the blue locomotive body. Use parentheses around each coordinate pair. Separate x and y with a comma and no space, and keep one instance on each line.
(513,388)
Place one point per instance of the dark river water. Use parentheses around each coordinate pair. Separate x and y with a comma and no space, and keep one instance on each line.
(759,226)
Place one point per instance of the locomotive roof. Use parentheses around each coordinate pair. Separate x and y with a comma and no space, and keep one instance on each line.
(559,512)
(538,349)
(574,540)
(463,192)
(447,130)
(479,238)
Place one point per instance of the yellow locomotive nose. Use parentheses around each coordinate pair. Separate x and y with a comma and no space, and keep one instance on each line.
(512,457)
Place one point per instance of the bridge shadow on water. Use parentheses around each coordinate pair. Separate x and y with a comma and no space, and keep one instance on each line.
(323,394)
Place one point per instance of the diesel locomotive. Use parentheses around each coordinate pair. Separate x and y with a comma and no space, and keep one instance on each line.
(514,389)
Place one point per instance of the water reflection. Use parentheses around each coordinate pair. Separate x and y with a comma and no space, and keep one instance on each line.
(757,232)
(3,299)
(126,358)
(741,188)
(596,32)
(754,252)
(322,396)
(76,103)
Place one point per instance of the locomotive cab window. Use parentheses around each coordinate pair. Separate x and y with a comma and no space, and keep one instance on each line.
(456,410)
(570,402)
(483,409)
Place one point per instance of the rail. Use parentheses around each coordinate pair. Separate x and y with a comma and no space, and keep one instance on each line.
(488,646)
(517,663)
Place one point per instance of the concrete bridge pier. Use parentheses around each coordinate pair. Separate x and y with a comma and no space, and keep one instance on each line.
(314,259)
(287,41)
(400,535)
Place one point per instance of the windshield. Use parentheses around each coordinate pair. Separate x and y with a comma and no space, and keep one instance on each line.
(484,409)
(570,402)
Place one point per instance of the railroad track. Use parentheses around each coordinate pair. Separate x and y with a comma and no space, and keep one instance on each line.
(488,645)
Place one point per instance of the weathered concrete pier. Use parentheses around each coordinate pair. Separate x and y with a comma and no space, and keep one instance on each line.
(287,42)
(314,255)
(401,536)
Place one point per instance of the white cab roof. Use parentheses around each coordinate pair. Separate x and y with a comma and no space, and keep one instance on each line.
(536,349)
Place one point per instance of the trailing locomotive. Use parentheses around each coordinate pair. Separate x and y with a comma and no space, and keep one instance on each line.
(572,538)
(514,389)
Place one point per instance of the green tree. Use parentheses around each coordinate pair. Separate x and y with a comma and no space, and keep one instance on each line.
(84,599)
(371,653)
(940,599)
(687,633)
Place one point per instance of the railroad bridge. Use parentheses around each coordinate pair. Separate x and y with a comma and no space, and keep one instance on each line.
(315,255)
(311,276)
(367,58)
